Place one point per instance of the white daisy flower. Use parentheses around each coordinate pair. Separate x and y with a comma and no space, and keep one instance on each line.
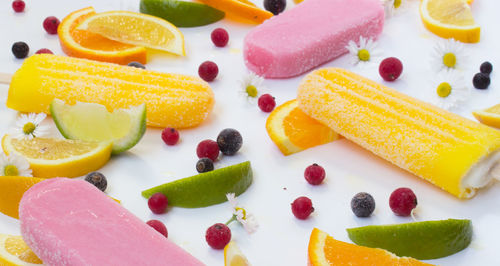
(392,7)
(363,53)
(246,219)
(449,55)
(449,89)
(250,86)
(14,165)
(28,126)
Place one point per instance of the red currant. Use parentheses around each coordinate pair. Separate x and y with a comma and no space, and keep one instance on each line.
(402,201)
(209,149)
(158,226)
(218,235)
(170,136)
(18,6)
(50,24)
(266,103)
(158,203)
(44,51)
(302,207)
(390,68)
(314,174)
(220,37)
(208,71)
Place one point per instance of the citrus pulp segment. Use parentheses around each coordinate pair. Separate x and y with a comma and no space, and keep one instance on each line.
(14,252)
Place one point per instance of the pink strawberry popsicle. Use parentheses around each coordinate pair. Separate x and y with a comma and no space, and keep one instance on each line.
(310,34)
(71,222)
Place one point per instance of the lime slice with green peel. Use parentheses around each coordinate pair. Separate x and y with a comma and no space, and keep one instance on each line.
(93,122)
(182,13)
(207,188)
(420,240)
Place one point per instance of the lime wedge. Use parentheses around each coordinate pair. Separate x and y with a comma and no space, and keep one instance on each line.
(207,188)
(181,13)
(93,122)
(420,240)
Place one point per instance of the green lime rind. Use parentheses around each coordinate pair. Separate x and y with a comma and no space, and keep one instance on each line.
(182,13)
(207,188)
(420,240)
(65,121)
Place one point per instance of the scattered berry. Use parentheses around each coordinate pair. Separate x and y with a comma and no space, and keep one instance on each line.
(136,64)
(209,149)
(390,69)
(266,103)
(481,81)
(220,37)
(208,70)
(20,49)
(158,203)
(314,174)
(402,201)
(218,235)
(302,207)
(158,226)
(362,204)
(229,141)
(50,24)
(170,136)
(97,179)
(44,51)
(18,6)
(204,165)
(486,68)
(275,6)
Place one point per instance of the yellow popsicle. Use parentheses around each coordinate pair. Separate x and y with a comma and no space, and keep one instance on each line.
(172,100)
(454,153)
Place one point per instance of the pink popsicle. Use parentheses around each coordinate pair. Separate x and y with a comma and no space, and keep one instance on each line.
(71,222)
(310,34)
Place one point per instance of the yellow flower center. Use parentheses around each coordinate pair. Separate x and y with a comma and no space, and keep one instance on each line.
(397,3)
(29,128)
(251,91)
(10,170)
(444,89)
(243,211)
(449,60)
(364,55)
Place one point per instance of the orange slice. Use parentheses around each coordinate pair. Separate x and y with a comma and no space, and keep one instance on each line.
(325,250)
(293,131)
(85,44)
(12,189)
(450,19)
(241,9)
(489,116)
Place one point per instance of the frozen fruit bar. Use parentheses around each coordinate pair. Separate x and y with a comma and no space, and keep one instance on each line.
(172,100)
(454,153)
(310,34)
(71,222)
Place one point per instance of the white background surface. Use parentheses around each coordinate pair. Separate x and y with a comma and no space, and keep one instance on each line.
(278,180)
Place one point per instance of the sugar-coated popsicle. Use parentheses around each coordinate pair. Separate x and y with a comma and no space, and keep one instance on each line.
(172,100)
(310,34)
(71,222)
(452,152)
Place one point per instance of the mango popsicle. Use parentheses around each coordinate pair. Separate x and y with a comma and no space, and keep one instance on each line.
(452,152)
(172,100)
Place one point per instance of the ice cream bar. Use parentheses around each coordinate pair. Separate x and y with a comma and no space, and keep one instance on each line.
(172,100)
(452,152)
(71,222)
(310,34)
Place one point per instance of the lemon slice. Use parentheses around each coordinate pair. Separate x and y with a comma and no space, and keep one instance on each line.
(136,29)
(450,19)
(233,256)
(489,116)
(59,157)
(93,122)
(14,252)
